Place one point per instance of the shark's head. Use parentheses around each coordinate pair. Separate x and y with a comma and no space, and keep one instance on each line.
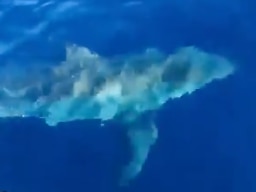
(190,69)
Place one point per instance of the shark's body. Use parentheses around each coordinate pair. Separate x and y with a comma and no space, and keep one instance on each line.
(88,86)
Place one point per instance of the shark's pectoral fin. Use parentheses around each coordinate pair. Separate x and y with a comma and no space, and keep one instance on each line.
(142,134)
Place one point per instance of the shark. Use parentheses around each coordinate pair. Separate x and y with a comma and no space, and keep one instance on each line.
(127,88)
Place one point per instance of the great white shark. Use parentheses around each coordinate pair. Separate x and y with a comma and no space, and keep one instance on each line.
(125,88)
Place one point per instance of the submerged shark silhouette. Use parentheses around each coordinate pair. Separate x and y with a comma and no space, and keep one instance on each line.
(128,89)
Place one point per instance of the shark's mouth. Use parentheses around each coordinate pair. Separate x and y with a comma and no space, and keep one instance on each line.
(89,86)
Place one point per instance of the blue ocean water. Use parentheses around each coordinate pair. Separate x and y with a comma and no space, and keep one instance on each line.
(206,140)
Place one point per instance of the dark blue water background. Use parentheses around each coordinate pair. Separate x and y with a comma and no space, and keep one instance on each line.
(207,141)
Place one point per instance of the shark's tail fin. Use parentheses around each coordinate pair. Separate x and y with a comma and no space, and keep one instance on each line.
(142,134)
